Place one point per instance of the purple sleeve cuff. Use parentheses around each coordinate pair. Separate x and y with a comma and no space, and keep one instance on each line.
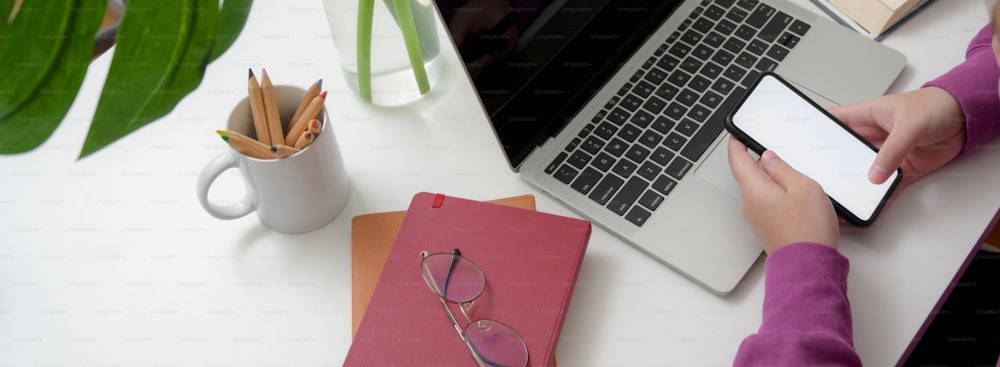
(974,84)
(807,317)
(806,289)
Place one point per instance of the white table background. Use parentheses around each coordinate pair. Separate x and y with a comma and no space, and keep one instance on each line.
(110,260)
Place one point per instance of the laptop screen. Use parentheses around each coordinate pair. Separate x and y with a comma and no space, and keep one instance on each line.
(534,63)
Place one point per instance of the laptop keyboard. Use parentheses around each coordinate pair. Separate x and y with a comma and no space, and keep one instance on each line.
(647,137)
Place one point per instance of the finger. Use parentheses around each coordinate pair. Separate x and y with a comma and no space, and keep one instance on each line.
(781,172)
(743,166)
(857,114)
(897,139)
(860,117)
(900,142)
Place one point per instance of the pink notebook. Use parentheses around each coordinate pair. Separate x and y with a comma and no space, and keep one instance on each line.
(530,260)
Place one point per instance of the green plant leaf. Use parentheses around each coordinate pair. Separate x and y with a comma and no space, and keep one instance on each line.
(28,126)
(193,61)
(30,48)
(154,78)
(215,29)
(232,18)
(151,40)
(6,7)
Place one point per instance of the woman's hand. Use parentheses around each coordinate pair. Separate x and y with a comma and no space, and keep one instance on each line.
(782,205)
(919,131)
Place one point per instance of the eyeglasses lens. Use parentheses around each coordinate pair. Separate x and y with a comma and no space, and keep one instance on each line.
(453,277)
(496,343)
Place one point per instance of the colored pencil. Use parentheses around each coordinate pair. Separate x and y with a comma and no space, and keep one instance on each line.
(246,145)
(257,110)
(282,150)
(305,139)
(311,93)
(314,126)
(270,107)
(300,125)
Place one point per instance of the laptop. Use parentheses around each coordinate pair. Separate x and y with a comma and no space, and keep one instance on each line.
(615,108)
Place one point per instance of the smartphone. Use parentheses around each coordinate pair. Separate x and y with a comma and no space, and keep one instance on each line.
(775,116)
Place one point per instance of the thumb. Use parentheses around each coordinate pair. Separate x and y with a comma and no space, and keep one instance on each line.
(780,172)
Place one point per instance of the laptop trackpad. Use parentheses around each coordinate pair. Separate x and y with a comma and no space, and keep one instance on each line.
(715,170)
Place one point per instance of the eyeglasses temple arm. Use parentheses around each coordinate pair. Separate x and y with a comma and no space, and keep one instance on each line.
(455,253)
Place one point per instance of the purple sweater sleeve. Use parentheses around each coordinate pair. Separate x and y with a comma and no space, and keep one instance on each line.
(974,84)
(807,317)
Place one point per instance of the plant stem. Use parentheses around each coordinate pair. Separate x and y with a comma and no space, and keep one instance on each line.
(412,41)
(366,11)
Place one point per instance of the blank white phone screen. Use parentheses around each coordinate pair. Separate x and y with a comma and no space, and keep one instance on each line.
(782,121)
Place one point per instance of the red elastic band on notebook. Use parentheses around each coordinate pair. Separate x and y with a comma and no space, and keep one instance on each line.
(438,199)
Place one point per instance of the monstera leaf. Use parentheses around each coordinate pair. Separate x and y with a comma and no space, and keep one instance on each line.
(161,53)
(46,49)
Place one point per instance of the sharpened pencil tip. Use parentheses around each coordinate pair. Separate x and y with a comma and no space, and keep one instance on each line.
(319,83)
(250,70)
(264,72)
(322,95)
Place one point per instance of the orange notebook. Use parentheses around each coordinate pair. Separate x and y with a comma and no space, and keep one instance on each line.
(530,259)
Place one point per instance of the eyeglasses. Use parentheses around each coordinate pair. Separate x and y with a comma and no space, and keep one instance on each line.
(456,279)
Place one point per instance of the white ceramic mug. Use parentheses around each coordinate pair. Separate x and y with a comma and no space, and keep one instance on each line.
(295,194)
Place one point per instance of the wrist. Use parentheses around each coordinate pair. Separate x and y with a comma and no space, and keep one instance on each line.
(801,245)
(943,105)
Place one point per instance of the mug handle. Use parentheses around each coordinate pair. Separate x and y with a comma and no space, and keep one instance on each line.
(212,170)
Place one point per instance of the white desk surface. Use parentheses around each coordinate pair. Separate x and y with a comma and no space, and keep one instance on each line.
(110,260)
